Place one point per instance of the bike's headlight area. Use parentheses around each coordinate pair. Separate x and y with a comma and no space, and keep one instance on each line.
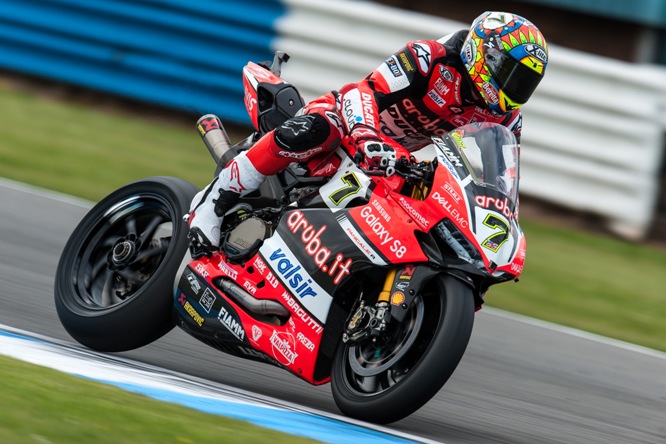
(452,236)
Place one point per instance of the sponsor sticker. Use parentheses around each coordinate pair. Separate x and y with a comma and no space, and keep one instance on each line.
(536,51)
(448,206)
(413,213)
(501,205)
(405,62)
(452,192)
(226,269)
(256,333)
(337,267)
(393,67)
(446,73)
(250,287)
(194,283)
(469,54)
(439,101)
(301,314)
(397,298)
(300,155)
(207,300)
(490,93)
(360,242)
(386,239)
(441,87)
(294,277)
(283,347)
(358,107)
(231,323)
(196,317)
(201,270)
(260,265)
(305,341)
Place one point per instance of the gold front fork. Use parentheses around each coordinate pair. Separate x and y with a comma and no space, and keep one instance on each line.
(419,192)
(385,294)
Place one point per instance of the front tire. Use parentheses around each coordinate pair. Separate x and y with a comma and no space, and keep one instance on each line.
(386,384)
(114,282)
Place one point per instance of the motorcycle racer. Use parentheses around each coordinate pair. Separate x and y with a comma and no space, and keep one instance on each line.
(426,89)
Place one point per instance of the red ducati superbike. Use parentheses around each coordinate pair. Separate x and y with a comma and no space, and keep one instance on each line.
(368,282)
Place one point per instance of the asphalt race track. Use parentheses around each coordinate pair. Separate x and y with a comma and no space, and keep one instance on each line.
(520,382)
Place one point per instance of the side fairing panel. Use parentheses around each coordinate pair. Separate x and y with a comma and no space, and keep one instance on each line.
(384,233)
(311,257)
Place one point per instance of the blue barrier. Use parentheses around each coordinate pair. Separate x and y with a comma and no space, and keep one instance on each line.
(176,53)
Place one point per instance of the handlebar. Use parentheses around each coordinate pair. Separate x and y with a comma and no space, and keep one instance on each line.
(413,171)
(407,168)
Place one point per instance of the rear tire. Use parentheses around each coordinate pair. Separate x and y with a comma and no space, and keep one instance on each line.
(387,384)
(114,282)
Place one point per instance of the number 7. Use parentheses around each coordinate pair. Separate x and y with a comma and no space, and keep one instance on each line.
(352,187)
(495,241)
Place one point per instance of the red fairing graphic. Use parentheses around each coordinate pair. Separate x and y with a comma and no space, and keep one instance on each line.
(335,265)
(293,345)
(451,199)
(253,76)
(518,261)
(378,221)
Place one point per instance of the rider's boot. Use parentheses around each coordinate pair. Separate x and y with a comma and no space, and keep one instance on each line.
(210,205)
(206,213)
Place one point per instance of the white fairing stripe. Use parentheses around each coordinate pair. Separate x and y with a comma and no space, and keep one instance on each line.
(294,277)
(360,242)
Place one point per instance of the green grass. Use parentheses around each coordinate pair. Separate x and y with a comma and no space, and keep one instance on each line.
(591,282)
(85,152)
(54,407)
(599,284)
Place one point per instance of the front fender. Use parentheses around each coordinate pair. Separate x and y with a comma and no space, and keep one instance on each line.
(409,281)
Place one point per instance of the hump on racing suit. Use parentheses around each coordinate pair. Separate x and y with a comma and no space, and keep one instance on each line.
(422,90)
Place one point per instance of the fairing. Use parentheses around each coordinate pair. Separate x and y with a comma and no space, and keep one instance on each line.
(281,303)
(478,190)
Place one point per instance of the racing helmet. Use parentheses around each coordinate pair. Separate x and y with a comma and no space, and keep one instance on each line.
(506,57)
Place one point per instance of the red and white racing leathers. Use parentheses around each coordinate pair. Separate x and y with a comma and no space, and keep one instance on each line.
(420,91)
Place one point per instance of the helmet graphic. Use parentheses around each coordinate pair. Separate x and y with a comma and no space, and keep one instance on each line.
(506,57)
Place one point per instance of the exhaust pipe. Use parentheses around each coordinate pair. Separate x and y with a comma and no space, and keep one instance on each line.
(262,307)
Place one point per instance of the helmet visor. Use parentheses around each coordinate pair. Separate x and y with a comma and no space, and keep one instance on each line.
(516,80)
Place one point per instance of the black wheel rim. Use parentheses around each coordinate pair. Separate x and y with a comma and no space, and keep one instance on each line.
(369,370)
(123,250)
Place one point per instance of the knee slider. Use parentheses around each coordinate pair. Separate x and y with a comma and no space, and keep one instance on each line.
(302,133)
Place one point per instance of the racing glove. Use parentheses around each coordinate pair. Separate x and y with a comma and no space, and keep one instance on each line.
(377,154)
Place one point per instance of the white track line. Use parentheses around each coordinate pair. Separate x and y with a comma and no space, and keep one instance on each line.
(209,396)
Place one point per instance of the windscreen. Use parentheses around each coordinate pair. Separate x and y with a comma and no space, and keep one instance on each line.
(486,152)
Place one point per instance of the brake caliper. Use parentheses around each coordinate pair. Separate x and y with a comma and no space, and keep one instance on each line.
(368,322)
